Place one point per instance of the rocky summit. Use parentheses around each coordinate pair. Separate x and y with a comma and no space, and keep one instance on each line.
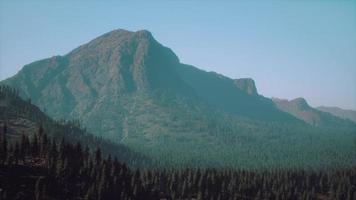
(247,85)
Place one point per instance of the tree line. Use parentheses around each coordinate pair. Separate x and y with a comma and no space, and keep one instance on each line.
(13,108)
(40,167)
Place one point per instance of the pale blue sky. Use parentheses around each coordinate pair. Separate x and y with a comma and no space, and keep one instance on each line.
(291,48)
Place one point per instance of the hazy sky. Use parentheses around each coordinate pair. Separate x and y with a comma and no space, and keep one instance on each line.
(290,48)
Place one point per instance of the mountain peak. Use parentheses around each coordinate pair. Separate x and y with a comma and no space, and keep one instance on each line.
(144,34)
(122,32)
(300,109)
(300,103)
(119,31)
(247,85)
(297,103)
(116,39)
(133,60)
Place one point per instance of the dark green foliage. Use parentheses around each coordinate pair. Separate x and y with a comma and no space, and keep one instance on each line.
(14,110)
(3,141)
(74,175)
(44,166)
(219,142)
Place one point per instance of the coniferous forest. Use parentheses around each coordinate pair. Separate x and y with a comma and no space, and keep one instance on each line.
(49,165)
(41,168)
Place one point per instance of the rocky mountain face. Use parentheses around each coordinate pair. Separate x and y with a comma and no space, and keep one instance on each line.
(247,85)
(120,72)
(127,87)
(339,112)
(90,82)
(300,109)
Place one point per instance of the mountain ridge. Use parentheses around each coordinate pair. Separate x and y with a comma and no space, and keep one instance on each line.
(300,108)
(127,87)
(121,62)
(339,112)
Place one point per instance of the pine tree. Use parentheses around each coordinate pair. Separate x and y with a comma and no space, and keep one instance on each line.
(24,149)
(52,157)
(184,190)
(102,189)
(38,189)
(3,145)
(200,195)
(34,145)
(17,152)
(98,156)
(91,193)
(43,142)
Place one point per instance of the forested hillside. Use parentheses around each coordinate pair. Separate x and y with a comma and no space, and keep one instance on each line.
(24,119)
(237,144)
(127,87)
(39,168)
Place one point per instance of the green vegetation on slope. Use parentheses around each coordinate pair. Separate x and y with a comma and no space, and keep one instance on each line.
(212,139)
(23,118)
(38,168)
(126,87)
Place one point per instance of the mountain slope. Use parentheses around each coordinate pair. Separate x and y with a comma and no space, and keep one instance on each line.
(127,87)
(33,170)
(123,63)
(338,112)
(300,109)
(238,97)
(22,117)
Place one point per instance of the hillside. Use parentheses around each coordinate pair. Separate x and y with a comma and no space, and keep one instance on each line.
(23,118)
(38,169)
(338,112)
(127,87)
(120,72)
(300,109)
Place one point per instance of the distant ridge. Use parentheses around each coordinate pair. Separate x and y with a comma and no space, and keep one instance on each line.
(300,109)
(339,112)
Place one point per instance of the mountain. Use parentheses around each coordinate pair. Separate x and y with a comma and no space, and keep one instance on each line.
(339,112)
(127,87)
(247,85)
(123,64)
(22,118)
(302,110)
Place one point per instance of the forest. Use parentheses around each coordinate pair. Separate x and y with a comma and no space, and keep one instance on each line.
(16,112)
(61,160)
(38,167)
